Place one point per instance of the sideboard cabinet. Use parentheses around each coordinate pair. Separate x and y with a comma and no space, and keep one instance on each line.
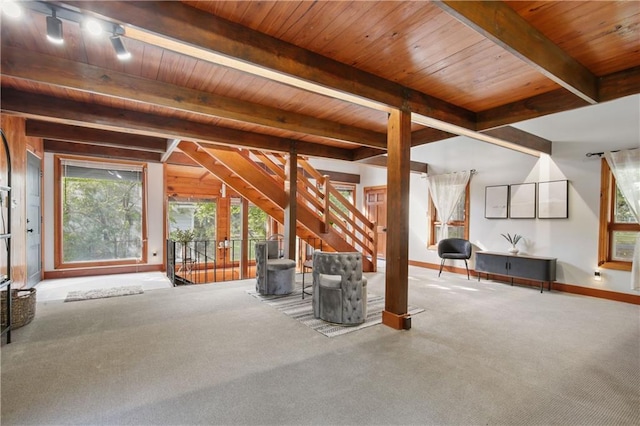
(536,268)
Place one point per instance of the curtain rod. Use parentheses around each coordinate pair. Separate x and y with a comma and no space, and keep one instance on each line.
(600,154)
(472,172)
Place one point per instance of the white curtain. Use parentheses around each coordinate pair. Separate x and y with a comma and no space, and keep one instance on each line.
(445,191)
(625,166)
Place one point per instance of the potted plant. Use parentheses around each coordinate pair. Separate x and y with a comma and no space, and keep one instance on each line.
(184,237)
(513,240)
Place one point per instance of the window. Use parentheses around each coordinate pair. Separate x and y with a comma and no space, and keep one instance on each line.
(100,212)
(257,226)
(618,226)
(199,215)
(458,225)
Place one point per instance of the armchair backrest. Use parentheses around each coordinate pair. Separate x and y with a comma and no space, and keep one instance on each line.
(347,265)
(454,246)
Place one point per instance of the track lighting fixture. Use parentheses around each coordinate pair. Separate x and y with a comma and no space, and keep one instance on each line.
(54,29)
(118,46)
(56,12)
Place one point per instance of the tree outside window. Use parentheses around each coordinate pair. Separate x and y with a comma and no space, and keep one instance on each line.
(100,214)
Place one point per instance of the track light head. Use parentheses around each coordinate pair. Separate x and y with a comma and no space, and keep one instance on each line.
(11,9)
(121,50)
(54,29)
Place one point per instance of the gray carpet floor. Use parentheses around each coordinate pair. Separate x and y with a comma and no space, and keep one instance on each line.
(480,354)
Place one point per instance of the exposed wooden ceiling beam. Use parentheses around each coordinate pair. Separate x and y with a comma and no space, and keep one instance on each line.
(620,84)
(66,133)
(33,66)
(106,118)
(501,24)
(186,30)
(381,161)
(503,139)
(537,106)
(100,151)
(526,140)
(172,144)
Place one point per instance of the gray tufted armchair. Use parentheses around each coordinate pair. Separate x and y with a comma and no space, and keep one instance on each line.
(339,289)
(273,275)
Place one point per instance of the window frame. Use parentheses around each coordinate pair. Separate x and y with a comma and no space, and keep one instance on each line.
(606,226)
(433,221)
(58,232)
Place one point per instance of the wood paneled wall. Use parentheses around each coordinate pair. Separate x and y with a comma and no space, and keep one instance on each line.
(19,143)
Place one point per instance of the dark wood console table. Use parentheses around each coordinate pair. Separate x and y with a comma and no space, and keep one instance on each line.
(536,268)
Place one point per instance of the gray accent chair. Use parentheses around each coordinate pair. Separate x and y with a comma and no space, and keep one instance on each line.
(273,274)
(339,289)
(454,248)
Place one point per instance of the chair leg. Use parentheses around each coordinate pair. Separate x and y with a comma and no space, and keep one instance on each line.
(467,266)
(441,265)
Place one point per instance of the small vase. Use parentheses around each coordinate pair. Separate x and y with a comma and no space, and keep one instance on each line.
(513,250)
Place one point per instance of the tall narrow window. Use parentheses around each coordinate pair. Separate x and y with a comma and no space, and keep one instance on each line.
(100,212)
(458,224)
(448,206)
(618,226)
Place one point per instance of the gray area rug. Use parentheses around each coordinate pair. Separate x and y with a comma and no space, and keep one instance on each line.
(294,306)
(101,293)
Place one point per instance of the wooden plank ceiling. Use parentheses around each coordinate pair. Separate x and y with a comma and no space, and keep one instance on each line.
(318,77)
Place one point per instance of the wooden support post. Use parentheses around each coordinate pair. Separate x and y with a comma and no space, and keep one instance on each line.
(397,263)
(290,211)
(244,243)
(325,206)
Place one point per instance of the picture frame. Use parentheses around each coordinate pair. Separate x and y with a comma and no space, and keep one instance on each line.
(496,201)
(522,201)
(553,199)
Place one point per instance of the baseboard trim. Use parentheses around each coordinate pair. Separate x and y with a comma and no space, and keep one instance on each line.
(563,287)
(107,270)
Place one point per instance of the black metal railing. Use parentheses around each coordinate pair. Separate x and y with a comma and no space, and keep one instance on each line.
(210,261)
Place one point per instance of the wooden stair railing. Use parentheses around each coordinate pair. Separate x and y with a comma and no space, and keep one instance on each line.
(260,176)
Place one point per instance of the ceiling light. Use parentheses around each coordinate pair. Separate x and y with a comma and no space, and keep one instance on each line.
(93,26)
(121,51)
(54,29)
(11,9)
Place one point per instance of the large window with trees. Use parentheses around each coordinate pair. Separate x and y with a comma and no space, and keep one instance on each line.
(100,212)
(618,226)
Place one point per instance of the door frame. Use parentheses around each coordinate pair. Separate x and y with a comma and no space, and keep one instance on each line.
(365,191)
(33,156)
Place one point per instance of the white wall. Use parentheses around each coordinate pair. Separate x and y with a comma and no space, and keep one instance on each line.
(155,182)
(573,241)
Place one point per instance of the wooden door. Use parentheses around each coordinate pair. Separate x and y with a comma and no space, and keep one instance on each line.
(375,201)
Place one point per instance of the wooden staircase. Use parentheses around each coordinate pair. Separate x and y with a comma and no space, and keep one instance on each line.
(322,212)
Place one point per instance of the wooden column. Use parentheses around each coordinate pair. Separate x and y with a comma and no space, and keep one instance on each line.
(244,243)
(290,211)
(397,261)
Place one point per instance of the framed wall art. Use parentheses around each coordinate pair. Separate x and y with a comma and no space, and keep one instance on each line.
(553,199)
(496,199)
(522,201)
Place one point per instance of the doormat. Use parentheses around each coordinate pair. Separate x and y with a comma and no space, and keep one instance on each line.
(302,310)
(74,296)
